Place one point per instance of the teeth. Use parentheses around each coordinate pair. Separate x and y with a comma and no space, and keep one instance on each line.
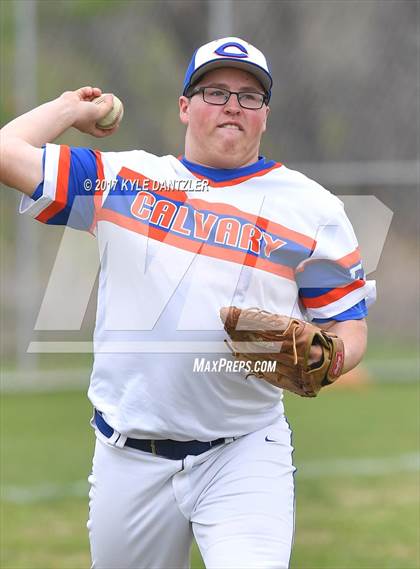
(234,126)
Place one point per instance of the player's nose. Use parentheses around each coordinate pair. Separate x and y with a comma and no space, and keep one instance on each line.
(232,105)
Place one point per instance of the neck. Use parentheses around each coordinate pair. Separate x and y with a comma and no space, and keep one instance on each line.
(220,165)
(223,162)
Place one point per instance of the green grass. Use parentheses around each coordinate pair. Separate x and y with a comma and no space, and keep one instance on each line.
(343,521)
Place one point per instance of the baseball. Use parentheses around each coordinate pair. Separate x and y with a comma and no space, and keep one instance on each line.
(114,116)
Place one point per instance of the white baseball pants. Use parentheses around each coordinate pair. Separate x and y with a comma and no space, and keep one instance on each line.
(237,500)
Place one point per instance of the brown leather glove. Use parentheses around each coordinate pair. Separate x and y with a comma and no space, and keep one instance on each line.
(259,336)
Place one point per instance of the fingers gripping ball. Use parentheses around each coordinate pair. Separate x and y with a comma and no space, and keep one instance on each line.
(115,115)
(258,335)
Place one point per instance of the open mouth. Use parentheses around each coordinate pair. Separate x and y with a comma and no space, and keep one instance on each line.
(231,126)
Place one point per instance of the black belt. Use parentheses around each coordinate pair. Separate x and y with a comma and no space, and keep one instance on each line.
(175,450)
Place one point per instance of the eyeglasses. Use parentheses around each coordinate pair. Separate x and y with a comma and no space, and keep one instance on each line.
(218,96)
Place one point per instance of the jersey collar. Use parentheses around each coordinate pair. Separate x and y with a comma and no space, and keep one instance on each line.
(224,176)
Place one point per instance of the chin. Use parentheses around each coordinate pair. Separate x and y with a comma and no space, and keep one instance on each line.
(230,145)
(231,136)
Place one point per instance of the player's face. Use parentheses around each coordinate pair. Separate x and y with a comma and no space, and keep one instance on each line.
(223,136)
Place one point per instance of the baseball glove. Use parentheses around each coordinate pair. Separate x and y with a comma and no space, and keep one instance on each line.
(259,336)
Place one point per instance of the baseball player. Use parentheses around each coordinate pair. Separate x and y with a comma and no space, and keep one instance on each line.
(191,441)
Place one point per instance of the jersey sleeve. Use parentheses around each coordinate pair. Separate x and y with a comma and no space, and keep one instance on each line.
(332,283)
(68,193)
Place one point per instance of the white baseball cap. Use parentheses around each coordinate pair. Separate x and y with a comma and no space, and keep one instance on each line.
(229,52)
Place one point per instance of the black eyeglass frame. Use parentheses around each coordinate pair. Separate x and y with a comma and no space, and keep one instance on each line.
(201,90)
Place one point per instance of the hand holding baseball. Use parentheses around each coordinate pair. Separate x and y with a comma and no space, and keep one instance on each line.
(113,118)
(96,113)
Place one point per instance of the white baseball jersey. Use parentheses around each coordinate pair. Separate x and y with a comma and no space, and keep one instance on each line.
(177,242)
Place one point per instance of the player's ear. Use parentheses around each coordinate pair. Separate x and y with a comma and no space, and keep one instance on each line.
(184,108)
(267,111)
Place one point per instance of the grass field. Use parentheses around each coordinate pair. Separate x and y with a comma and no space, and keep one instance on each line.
(357,453)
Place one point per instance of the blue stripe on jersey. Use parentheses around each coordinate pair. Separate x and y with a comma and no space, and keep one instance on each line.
(291,254)
(314,292)
(78,211)
(38,192)
(226,175)
(356,312)
(328,274)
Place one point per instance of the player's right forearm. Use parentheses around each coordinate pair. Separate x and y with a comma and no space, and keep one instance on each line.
(21,141)
(43,124)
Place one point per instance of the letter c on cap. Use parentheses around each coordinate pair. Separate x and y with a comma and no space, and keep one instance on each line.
(223,53)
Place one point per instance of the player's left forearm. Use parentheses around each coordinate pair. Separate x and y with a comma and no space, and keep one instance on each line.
(354,335)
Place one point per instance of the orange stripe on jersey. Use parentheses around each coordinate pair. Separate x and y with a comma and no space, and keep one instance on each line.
(346,261)
(99,169)
(242,258)
(129,174)
(97,198)
(262,222)
(61,186)
(332,295)
(223,209)
(350,259)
